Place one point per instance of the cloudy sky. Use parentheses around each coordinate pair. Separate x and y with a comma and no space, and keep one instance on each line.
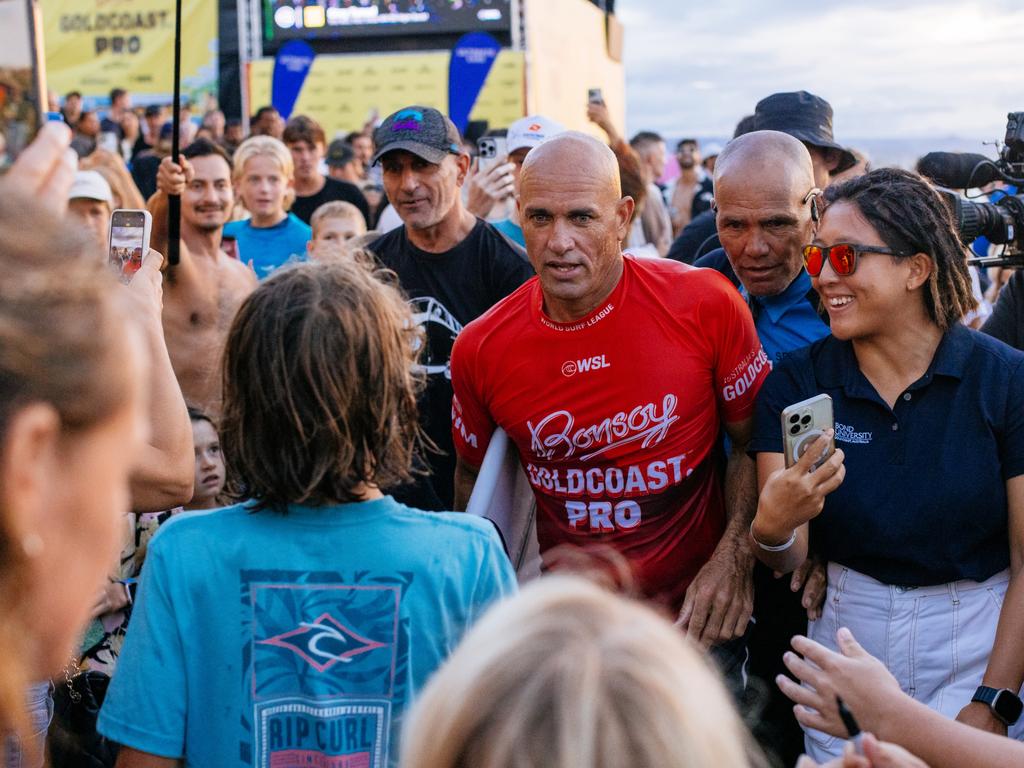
(890,68)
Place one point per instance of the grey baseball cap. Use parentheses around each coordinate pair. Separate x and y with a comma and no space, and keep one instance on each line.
(421,130)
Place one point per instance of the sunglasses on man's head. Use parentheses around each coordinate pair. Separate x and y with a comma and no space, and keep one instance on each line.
(842,256)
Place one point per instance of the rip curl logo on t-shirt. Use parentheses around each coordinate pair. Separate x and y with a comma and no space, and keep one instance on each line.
(846,434)
(324,642)
(408,120)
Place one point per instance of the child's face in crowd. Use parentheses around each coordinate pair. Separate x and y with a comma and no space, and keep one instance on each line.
(209,481)
(263,186)
(336,229)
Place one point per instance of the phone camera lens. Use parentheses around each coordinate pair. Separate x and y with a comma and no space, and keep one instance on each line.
(806,419)
(795,429)
(794,418)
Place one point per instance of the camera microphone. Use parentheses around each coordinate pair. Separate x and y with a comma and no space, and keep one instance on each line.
(958,170)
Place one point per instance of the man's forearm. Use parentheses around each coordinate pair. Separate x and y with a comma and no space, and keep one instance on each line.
(165,473)
(157,206)
(465,479)
(740,495)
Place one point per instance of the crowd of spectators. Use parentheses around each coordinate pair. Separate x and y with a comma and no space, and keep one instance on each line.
(231,489)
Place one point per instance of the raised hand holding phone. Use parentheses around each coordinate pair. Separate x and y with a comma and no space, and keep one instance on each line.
(795,495)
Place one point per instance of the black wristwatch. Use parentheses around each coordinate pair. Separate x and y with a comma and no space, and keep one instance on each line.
(1004,703)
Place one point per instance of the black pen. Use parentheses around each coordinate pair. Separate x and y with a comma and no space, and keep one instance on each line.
(851,725)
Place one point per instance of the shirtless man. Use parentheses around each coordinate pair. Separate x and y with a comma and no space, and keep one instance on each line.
(203,292)
(692,191)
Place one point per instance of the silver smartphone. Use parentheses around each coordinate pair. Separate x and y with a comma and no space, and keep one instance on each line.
(491,151)
(130,231)
(594,96)
(802,424)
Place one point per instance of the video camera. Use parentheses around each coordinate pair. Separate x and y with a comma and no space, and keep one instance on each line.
(1001,222)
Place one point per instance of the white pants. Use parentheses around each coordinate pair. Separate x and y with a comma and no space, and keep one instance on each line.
(935,640)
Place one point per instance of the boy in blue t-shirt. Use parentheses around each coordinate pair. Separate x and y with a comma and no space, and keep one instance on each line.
(264,177)
(297,629)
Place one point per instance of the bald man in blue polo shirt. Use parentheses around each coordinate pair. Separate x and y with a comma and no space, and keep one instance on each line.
(765,201)
(766,211)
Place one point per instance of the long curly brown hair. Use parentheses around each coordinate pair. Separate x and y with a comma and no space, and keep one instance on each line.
(319,389)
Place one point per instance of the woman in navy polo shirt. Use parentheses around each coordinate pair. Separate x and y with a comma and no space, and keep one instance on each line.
(920,511)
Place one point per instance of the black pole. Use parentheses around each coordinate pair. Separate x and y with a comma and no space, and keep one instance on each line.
(174,201)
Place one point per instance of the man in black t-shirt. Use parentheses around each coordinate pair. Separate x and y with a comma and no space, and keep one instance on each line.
(305,140)
(452,265)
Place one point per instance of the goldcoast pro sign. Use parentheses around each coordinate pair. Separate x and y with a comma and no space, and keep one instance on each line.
(95,45)
(119,32)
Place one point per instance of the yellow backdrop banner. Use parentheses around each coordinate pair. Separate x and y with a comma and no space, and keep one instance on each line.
(93,46)
(341,91)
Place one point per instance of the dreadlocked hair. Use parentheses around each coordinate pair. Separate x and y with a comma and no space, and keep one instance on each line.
(911,217)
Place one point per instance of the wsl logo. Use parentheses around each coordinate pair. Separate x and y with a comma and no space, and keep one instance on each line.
(408,120)
(572,367)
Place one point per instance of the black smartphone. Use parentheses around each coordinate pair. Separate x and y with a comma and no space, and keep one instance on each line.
(22,77)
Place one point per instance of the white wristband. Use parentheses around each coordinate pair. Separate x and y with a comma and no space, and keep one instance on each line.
(780,548)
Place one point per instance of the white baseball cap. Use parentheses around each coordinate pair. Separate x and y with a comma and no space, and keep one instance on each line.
(530,131)
(91,186)
(711,149)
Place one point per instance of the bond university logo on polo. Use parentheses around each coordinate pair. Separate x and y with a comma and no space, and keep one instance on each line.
(604,497)
(847,434)
(408,120)
(325,658)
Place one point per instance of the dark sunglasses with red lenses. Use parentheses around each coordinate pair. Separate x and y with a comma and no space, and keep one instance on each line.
(842,256)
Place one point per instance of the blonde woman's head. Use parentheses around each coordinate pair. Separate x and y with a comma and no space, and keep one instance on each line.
(568,675)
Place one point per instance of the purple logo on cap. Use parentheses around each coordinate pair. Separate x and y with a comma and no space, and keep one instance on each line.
(407,120)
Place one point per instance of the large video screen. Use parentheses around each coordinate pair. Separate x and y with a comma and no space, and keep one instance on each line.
(289,19)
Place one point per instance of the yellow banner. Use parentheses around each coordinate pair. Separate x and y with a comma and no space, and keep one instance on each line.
(340,92)
(93,46)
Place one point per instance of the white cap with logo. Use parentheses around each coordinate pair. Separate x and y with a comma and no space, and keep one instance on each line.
(91,186)
(530,131)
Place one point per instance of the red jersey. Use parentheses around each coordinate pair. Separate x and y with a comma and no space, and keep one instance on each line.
(616,416)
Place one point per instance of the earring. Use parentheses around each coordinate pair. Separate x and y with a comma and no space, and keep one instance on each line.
(32,545)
